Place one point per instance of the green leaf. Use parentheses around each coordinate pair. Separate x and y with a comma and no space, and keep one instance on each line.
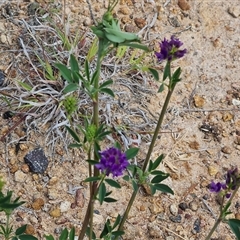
(14,238)
(117,145)
(25,85)
(74,145)
(167,71)
(73,134)
(126,178)
(11,205)
(161,88)
(64,234)
(49,237)
(92,162)
(131,153)
(65,72)
(118,219)
(153,189)
(102,193)
(27,237)
(70,88)
(92,179)
(74,64)
(107,91)
(234,224)
(21,230)
(108,199)
(86,66)
(117,233)
(157,172)
(112,183)
(159,178)
(154,72)
(163,188)
(72,234)
(135,186)
(106,83)
(176,75)
(135,45)
(150,166)
(157,162)
(88,233)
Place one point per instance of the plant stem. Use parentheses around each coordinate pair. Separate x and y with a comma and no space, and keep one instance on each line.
(155,135)
(156,132)
(214,228)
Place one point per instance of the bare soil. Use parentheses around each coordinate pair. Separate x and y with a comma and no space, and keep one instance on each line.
(201,133)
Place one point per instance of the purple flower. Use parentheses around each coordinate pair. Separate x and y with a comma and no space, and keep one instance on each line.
(112,161)
(170,50)
(215,187)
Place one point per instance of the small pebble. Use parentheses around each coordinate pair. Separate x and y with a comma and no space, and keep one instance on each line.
(183,206)
(212,170)
(226,150)
(183,4)
(173,209)
(37,203)
(176,219)
(36,160)
(196,226)
(55,213)
(194,205)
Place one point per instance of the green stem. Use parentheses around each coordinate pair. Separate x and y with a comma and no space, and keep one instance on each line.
(156,132)
(95,120)
(155,135)
(214,228)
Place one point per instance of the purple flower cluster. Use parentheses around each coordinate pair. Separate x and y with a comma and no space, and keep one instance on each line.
(170,50)
(112,161)
(231,182)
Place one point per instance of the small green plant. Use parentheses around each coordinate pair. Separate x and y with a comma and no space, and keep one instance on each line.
(7,205)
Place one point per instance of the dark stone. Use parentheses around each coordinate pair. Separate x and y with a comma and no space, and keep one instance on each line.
(2,78)
(176,219)
(183,206)
(196,226)
(36,160)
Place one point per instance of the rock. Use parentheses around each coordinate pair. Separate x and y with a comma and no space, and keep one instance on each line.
(154,230)
(183,206)
(183,4)
(226,150)
(169,238)
(2,78)
(52,193)
(53,181)
(194,205)
(142,208)
(196,226)
(212,170)
(20,176)
(124,10)
(237,216)
(227,117)
(194,145)
(65,206)
(3,38)
(176,219)
(55,213)
(87,21)
(140,22)
(25,168)
(36,160)
(234,11)
(198,101)
(30,229)
(173,209)
(38,203)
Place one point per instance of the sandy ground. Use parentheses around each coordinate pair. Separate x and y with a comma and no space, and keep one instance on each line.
(201,131)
